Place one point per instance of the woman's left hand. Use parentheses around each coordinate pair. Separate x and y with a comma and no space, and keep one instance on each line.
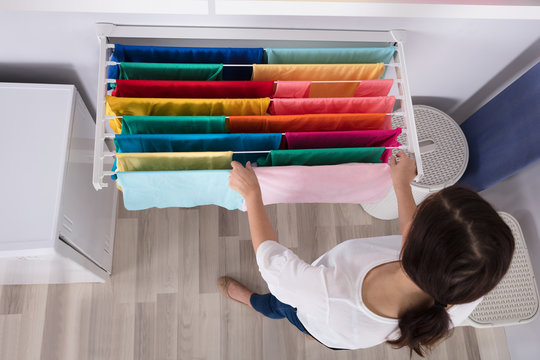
(243,180)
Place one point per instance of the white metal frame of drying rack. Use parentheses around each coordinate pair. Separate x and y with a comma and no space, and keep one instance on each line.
(107,31)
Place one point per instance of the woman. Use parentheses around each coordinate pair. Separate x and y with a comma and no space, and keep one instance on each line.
(408,290)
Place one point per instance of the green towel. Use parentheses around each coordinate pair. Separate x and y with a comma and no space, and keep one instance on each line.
(322,156)
(159,71)
(173,125)
(329,55)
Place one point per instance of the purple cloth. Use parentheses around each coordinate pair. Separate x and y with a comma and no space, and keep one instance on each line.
(344,139)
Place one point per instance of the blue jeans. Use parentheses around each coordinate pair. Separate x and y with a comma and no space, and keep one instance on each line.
(271,307)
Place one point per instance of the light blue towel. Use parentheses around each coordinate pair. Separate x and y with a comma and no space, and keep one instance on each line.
(330,55)
(147,189)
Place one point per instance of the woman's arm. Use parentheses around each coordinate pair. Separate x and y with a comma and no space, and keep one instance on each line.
(244,181)
(403,173)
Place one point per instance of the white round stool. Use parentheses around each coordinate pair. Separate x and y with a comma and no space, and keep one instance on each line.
(444,153)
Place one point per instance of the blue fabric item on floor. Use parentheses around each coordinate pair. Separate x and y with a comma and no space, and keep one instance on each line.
(195,55)
(161,189)
(504,133)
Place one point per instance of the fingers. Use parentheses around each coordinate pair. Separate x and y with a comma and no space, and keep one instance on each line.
(248,166)
(236,165)
(392,161)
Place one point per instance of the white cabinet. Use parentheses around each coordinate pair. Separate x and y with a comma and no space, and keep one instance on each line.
(54,226)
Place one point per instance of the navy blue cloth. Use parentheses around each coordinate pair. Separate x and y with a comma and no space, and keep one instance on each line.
(271,307)
(504,133)
(195,55)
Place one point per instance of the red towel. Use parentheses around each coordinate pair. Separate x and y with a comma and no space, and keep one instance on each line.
(193,89)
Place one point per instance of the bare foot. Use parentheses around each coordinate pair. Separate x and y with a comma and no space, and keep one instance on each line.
(239,292)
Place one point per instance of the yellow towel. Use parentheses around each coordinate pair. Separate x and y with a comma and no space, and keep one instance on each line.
(319,72)
(208,160)
(119,106)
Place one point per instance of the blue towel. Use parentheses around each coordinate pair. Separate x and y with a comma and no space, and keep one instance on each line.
(196,55)
(146,189)
(504,133)
(196,142)
(200,142)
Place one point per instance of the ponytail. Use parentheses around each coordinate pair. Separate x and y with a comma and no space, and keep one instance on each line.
(421,328)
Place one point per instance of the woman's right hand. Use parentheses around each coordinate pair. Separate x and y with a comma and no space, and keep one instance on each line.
(244,181)
(403,171)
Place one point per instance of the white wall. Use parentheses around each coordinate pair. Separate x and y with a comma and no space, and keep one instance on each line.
(519,196)
(449,60)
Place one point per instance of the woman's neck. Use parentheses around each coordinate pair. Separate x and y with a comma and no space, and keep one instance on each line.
(410,294)
(389,292)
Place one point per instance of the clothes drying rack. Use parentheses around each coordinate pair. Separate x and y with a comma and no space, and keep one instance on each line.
(110,34)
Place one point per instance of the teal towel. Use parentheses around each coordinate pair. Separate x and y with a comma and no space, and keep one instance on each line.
(161,189)
(330,56)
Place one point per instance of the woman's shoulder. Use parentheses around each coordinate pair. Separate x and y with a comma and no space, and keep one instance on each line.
(388,241)
(362,252)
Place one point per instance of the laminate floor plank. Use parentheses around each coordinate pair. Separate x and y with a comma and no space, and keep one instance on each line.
(123,332)
(492,343)
(32,322)
(145,334)
(10,335)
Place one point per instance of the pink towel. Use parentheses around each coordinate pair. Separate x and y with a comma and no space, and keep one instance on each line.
(381,104)
(347,183)
(292,89)
(344,139)
(379,87)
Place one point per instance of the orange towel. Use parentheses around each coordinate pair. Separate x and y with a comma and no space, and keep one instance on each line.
(310,122)
(315,72)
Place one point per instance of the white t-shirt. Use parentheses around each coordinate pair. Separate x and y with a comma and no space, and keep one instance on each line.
(328,293)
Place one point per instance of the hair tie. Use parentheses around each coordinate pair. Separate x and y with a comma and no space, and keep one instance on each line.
(439,305)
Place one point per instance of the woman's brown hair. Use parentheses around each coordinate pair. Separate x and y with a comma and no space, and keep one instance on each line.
(457,249)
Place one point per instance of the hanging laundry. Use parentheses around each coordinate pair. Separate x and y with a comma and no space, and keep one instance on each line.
(321,72)
(309,122)
(322,156)
(345,183)
(381,104)
(335,139)
(193,89)
(196,142)
(162,54)
(173,124)
(329,55)
(292,89)
(160,71)
(147,189)
(118,106)
(174,161)
(380,87)
(344,139)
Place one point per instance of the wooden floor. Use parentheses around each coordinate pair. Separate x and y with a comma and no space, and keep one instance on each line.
(162,303)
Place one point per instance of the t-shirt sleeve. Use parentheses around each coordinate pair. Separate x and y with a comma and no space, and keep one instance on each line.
(292,280)
(458,313)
